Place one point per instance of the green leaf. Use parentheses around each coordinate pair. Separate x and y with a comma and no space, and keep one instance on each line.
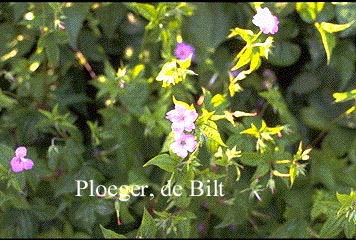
(146,10)
(254,159)
(349,229)
(107,233)
(75,16)
(163,161)
(214,30)
(332,227)
(89,211)
(314,118)
(287,29)
(134,96)
(6,154)
(4,198)
(345,11)
(6,101)
(284,53)
(108,20)
(343,62)
(305,83)
(275,98)
(148,228)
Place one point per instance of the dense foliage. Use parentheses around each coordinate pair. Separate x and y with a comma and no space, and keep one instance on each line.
(177,119)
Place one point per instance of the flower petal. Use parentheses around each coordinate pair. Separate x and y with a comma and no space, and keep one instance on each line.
(21,152)
(28,164)
(16,164)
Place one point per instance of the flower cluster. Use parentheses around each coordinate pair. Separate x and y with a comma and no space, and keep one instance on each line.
(19,163)
(182,119)
(267,22)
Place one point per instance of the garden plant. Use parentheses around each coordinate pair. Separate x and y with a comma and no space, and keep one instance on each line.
(177,120)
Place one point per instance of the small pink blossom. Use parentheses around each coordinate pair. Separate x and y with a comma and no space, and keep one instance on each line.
(267,22)
(184,50)
(182,118)
(183,144)
(19,163)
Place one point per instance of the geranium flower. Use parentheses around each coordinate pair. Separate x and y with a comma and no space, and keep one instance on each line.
(183,144)
(19,163)
(183,51)
(267,22)
(182,118)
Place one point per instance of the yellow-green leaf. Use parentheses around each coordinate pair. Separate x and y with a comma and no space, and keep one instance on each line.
(243,59)
(246,34)
(210,130)
(332,27)
(292,173)
(344,96)
(328,41)
(309,11)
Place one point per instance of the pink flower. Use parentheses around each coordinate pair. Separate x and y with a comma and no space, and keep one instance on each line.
(19,163)
(183,51)
(267,22)
(182,118)
(183,144)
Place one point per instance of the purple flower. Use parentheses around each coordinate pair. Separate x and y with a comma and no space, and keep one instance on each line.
(201,227)
(19,163)
(182,118)
(267,22)
(183,51)
(235,73)
(183,144)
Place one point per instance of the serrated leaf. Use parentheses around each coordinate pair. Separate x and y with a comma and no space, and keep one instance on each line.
(332,227)
(349,229)
(75,16)
(148,228)
(107,233)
